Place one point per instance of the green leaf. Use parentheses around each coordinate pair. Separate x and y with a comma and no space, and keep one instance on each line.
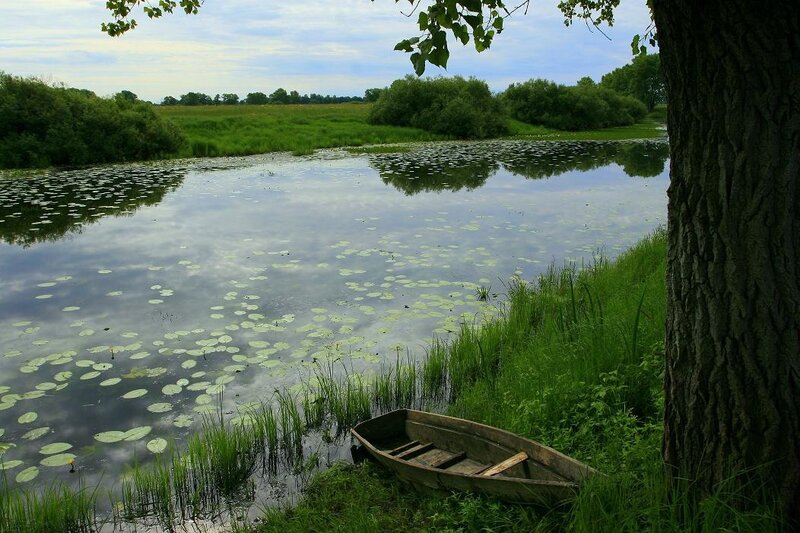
(423,21)
(418,61)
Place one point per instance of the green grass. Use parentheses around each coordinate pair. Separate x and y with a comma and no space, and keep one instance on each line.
(300,129)
(652,127)
(245,130)
(56,507)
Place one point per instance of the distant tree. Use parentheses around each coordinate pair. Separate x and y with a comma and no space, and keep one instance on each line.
(195,99)
(280,96)
(230,99)
(581,107)
(170,100)
(642,79)
(42,125)
(126,96)
(371,95)
(586,81)
(217,99)
(462,108)
(256,98)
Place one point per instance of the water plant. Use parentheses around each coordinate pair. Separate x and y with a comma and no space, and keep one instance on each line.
(55,507)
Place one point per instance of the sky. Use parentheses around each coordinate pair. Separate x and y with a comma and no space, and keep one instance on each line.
(340,47)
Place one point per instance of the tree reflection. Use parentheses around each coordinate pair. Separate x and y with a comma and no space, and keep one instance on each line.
(467,166)
(50,206)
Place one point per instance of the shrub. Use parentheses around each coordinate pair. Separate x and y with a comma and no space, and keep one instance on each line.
(42,126)
(581,107)
(458,107)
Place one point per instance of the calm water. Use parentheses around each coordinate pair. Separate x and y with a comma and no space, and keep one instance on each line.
(132,296)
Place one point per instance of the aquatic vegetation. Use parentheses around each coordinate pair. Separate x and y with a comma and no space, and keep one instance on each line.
(154,309)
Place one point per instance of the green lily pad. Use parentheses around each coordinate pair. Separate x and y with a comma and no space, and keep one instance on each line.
(157,445)
(137,393)
(171,389)
(110,436)
(183,421)
(8,465)
(161,407)
(56,447)
(36,433)
(58,460)
(110,381)
(28,474)
(137,433)
(28,417)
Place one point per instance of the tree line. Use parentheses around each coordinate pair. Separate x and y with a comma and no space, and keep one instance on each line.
(279,96)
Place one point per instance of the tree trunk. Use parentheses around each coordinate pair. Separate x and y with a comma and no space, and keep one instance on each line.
(732,381)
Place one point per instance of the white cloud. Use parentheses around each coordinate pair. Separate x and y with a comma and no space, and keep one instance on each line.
(324,46)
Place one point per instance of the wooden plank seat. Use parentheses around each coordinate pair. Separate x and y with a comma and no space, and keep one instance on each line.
(505,465)
(403,447)
(414,451)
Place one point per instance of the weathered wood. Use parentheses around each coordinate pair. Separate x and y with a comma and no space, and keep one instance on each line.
(514,460)
(403,447)
(410,453)
(455,451)
(449,461)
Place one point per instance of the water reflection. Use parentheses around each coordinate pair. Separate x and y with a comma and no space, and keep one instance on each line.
(467,166)
(236,280)
(51,206)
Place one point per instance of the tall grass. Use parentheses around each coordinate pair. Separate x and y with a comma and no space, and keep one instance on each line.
(57,507)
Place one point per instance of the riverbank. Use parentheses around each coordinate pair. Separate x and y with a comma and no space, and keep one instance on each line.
(576,362)
(245,130)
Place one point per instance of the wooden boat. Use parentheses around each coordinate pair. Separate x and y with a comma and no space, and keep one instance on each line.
(431,451)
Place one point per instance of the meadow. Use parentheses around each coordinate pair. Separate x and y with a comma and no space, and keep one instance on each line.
(214,131)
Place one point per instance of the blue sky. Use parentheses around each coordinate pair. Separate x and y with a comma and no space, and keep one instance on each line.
(325,46)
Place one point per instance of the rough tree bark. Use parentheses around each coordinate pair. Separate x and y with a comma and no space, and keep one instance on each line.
(732,71)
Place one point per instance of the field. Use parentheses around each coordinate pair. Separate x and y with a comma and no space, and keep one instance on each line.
(249,129)
(246,129)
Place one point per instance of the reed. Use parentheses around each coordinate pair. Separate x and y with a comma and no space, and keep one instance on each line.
(57,507)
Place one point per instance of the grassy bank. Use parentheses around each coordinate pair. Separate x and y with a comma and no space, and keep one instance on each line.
(576,363)
(243,130)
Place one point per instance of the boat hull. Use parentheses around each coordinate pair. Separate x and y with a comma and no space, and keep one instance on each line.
(438,452)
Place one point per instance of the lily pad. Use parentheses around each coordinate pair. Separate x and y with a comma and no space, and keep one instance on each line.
(157,445)
(137,433)
(8,465)
(171,389)
(182,421)
(136,393)
(56,447)
(28,474)
(36,433)
(58,460)
(28,417)
(161,407)
(110,436)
